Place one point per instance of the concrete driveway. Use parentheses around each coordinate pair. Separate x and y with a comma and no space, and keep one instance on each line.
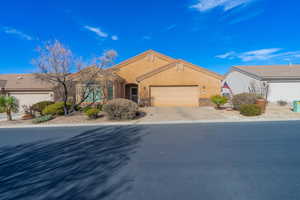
(15,116)
(157,114)
(161,114)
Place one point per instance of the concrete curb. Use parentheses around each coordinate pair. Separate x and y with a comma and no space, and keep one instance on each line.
(147,123)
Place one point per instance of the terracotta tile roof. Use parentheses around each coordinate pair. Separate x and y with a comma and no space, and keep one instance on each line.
(272,71)
(100,73)
(22,82)
(139,56)
(202,69)
(168,66)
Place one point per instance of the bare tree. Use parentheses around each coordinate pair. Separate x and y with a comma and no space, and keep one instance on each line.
(260,88)
(57,65)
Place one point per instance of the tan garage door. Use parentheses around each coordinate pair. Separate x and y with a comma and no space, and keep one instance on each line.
(28,98)
(175,96)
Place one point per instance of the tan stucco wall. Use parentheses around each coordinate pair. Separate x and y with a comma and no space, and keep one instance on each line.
(141,66)
(208,85)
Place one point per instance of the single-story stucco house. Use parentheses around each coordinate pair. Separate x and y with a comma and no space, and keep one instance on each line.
(281,82)
(26,88)
(163,80)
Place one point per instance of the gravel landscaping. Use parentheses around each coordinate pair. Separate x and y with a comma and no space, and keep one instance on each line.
(164,114)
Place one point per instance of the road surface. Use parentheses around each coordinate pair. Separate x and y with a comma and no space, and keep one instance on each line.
(230,161)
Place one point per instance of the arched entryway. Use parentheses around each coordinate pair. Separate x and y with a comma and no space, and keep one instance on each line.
(132,92)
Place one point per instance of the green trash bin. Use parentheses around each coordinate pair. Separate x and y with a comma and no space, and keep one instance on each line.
(296,106)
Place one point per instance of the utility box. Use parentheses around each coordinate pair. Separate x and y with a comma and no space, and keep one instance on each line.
(296,106)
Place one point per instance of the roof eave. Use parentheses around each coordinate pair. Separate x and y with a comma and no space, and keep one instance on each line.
(255,76)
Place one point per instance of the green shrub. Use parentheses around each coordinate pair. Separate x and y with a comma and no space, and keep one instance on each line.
(42,119)
(219,100)
(55,109)
(250,110)
(40,106)
(121,109)
(86,108)
(92,113)
(242,99)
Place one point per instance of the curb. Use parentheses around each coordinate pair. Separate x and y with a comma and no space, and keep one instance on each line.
(148,123)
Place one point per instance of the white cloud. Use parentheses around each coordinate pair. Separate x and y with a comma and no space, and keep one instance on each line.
(248,16)
(96,30)
(206,5)
(171,27)
(114,37)
(226,55)
(18,33)
(147,37)
(101,33)
(261,54)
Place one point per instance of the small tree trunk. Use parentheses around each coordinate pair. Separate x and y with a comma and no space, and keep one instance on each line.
(66,110)
(8,114)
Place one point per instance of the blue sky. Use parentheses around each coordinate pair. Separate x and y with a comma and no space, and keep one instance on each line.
(215,34)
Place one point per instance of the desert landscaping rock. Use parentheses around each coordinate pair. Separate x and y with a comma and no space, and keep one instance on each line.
(171,115)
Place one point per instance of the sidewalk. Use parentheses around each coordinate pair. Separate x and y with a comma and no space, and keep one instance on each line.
(170,115)
(249,120)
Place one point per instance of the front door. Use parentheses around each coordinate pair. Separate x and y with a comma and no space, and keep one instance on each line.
(134,94)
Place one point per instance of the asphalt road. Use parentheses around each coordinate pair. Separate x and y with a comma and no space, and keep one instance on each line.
(242,161)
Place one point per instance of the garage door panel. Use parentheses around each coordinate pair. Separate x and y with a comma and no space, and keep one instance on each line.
(175,96)
(29,99)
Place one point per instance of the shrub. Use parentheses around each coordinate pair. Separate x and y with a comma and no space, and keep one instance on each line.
(9,104)
(121,109)
(92,113)
(40,106)
(282,103)
(42,119)
(219,100)
(99,107)
(242,99)
(86,108)
(55,109)
(250,110)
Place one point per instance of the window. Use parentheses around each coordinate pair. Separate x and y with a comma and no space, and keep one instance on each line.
(94,95)
(110,93)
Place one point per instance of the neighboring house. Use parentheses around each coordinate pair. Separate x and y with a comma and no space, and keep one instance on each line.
(282,82)
(26,88)
(164,81)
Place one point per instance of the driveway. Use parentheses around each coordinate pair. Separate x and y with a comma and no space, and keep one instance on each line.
(160,114)
(157,114)
(4,118)
(242,161)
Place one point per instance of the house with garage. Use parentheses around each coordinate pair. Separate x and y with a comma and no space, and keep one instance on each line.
(26,88)
(150,78)
(281,82)
(165,81)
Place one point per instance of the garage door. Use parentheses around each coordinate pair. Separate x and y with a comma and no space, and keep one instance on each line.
(175,96)
(31,98)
